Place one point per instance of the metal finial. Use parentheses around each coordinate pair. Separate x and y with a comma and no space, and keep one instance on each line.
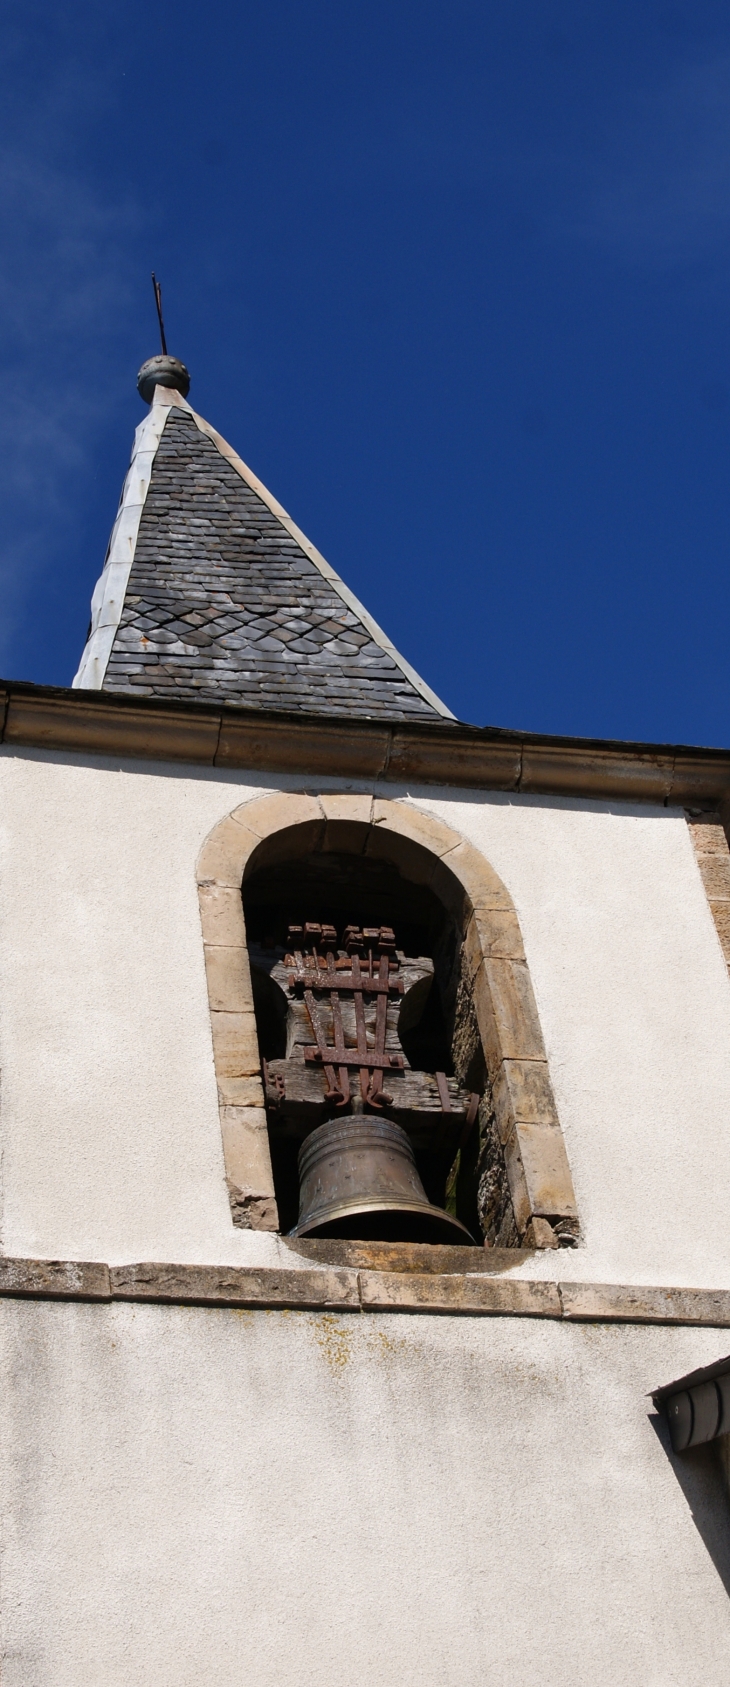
(158,302)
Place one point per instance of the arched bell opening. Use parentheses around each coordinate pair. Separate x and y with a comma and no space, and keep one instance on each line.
(467,1002)
(299,882)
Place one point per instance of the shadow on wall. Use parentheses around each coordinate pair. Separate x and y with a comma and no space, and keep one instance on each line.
(701,1476)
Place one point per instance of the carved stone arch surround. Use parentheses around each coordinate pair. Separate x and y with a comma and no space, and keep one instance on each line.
(282,826)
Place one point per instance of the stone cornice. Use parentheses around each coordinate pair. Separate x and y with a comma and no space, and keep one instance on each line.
(329,1288)
(438,753)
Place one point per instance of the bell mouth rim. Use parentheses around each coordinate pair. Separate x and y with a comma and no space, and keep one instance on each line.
(353,1209)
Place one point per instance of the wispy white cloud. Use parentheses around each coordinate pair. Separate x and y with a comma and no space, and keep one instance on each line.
(64,296)
(658,190)
(649,178)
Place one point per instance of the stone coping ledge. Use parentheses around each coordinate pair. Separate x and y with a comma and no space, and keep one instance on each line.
(332,1289)
(443,1259)
(441,752)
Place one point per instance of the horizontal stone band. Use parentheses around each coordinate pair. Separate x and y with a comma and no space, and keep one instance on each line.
(328,1288)
(431,752)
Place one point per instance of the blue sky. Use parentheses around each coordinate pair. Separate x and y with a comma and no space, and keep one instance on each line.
(453,279)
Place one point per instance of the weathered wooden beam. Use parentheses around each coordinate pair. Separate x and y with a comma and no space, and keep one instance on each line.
(295,1096)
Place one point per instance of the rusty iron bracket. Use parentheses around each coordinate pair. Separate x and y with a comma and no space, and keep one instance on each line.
(276,1083)
(470,1119)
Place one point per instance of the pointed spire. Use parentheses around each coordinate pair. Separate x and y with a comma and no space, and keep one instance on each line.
(210,591)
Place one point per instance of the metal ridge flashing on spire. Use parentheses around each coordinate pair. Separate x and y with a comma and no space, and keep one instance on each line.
(108,599)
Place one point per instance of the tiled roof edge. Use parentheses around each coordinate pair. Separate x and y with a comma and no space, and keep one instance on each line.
(376,633)
(435,752)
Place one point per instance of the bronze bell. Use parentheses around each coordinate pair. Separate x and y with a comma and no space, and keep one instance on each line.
(358,1180)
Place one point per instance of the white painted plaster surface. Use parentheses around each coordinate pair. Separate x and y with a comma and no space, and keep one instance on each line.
(109,1122)
(633,996)
(213,1497)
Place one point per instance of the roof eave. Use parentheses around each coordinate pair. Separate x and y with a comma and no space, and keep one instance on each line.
(437,752)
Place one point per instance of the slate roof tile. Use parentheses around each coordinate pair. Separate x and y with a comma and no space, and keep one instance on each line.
(223,603)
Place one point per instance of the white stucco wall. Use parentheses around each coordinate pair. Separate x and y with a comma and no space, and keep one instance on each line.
(108,1118)
(218,1497)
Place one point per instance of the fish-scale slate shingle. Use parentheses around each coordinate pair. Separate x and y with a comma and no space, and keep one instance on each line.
(222,603)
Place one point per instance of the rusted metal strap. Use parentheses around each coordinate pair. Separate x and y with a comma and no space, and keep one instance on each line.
(470,1119)
(374,1060)
(313,972)
(376,1093)
(339,1034)
(362,1040)
(310,980)
(325,1054)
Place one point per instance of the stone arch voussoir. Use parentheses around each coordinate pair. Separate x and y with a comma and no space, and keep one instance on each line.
(284,825)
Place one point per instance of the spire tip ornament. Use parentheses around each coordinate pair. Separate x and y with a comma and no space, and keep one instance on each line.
(162,371)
